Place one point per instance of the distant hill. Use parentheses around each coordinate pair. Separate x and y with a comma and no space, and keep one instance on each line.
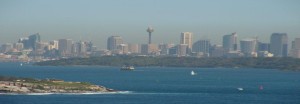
(268,63)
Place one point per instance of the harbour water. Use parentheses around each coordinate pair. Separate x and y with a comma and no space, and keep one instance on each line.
(162,85)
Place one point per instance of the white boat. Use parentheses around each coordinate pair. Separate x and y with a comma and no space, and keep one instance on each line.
(240,89)
(21,64)
(127,68)
(193,73)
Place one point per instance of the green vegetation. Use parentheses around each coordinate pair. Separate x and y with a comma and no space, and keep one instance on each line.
(269,63)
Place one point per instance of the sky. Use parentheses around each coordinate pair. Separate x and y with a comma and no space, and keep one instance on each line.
(96,20)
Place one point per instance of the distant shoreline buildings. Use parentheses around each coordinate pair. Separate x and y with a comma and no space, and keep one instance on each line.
(32,48)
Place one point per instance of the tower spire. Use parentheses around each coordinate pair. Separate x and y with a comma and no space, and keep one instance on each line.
(150,30)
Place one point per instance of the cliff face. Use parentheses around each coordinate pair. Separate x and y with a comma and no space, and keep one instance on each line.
(49,86)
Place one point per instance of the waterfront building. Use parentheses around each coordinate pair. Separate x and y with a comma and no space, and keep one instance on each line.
(248,47)
(65,47)
(295,50)
(7,47)
(53,44)
(149,49)
(25,42)
(113,42)
(187,38)
(18,46)
(181,50)
(230,42)
(216,51)
(278,44)
(164,48)
(263,47)
(202,46)
(33,39)
(133,48)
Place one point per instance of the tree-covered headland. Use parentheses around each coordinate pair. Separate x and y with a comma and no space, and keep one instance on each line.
(141,61)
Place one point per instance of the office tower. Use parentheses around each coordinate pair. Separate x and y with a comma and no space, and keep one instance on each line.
(113,42)
(79,48)
(230,42)
(278,44)
(18,46)
(164,48)
(295,51)
(123,48)
(173,51)
(187,38)
(40,48)
(248,47)
(149,49)
(150,30)
(216,51)
(65,47)
(7,47)
(133,48)
(181,50)
(25,42)
(263,47)
(33,39)
(89,46)
(53,44)
(202,46)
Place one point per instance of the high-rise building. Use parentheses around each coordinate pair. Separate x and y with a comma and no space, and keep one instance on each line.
(133,48)
(33,39)
(187,38)
(65,47)
(6,47)
(25,42)
(202,46)
(149,49)
(263,47)
(164,48)
(278,44)
(248,47)
(216,51)
(230,42)
(181,50)
(113,42)
(295,51)
(53,44)
(18,46)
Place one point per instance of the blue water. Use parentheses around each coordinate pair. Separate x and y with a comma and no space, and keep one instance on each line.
(163,85)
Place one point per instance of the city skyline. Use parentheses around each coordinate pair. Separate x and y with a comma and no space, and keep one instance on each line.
(96,20)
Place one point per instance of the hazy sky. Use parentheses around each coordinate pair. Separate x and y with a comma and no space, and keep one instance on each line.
(96,20)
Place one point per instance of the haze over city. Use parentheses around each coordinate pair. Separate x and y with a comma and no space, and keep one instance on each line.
(97,20)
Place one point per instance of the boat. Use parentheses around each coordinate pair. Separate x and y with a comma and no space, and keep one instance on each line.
(127,68)
(240,89)
(193,73)
(21,64)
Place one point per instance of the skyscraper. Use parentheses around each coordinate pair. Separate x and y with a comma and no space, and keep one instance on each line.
(295,51)
(65,47)
(202,46)
(33,39)
(187,38)
(263,46)
(248,47)
(230,42)
(113,42)
(181,50)
(133,48)
(278,44)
